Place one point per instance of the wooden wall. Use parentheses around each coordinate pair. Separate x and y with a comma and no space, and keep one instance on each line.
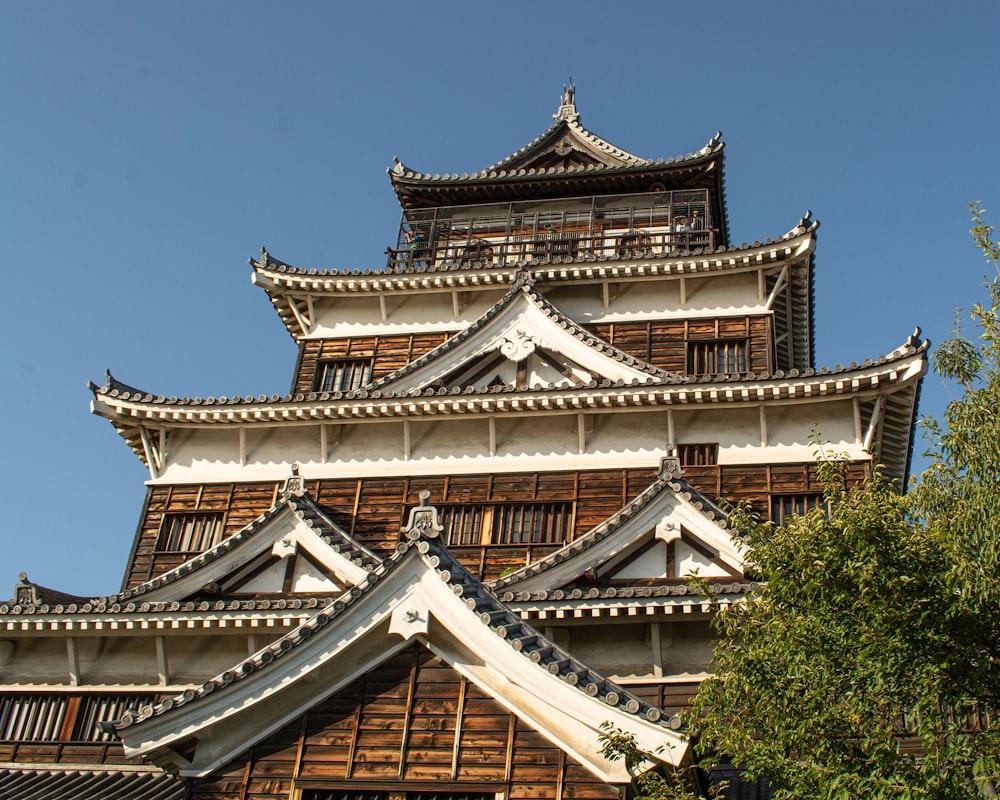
(388,353)
(664,343)
(413,724)
(373,509)
(661,343)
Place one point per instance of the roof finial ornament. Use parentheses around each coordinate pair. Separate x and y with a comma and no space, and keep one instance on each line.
(294,486)
(567,110)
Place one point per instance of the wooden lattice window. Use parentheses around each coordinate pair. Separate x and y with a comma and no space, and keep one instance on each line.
(343,374)
(717,357)
(698,455)
(190,532)
(362,794)
(508,523)
(531,523)
(784,506)
(62,718)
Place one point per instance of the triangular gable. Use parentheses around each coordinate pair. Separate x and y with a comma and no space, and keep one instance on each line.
(421,595)
(522,342)
(669,532)
(568,144)
(291,548)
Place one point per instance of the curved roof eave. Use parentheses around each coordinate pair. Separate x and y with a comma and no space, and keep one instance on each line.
(459,602)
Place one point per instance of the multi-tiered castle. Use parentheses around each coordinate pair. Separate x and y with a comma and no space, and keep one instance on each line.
(462,541)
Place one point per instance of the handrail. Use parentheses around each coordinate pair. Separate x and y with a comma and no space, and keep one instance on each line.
(548,247)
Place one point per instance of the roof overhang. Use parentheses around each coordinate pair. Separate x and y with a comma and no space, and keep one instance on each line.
(422,595)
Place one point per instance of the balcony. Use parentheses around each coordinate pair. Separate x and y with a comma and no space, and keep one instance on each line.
(656,225)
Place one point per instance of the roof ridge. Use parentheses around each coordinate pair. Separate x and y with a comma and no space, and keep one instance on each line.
(422,538)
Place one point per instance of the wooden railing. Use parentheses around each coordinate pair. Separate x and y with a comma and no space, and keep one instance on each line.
(562,246)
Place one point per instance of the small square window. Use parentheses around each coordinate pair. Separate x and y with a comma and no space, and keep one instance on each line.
(190,533)
(722,357)
(698,455)
(784,506)
(343,375)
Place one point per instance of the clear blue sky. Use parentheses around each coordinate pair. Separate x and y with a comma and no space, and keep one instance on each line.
(150,148)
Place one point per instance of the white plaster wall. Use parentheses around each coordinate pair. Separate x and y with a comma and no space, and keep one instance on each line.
(707,296)
(459,443)
(360,315)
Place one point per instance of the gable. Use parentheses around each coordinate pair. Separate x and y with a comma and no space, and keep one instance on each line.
(291,548)
(419,595)
(413,720)
(522,342)
(668,533)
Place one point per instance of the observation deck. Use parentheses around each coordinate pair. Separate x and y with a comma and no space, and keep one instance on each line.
(657,225)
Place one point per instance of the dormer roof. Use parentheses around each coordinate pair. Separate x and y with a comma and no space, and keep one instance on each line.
(669,524)
(420,595)
(522,342)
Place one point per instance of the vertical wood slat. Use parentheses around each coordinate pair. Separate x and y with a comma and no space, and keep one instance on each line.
(245,783)
(408,718)
(459,717)
(355,728)
(509,763)
(299,749)
(561,775)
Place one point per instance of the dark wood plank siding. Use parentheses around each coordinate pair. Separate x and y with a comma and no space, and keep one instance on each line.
(388,353)
(413,724)
(373,509)
(665,343)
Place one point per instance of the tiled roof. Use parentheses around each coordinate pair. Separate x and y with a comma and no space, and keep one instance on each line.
(715,383)
(131,600)
(50,781)
(498,171)
(524,640)
(379,279)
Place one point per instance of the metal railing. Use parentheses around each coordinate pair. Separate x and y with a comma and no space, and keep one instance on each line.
(628,226)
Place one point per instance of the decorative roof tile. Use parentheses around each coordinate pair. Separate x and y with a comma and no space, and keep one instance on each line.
(422,541)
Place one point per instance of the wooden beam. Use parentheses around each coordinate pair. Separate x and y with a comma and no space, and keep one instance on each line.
(152,461)
(459,715)
(493,436)
(243,446)
(778,286)
(382,307)
(763,424)
(162,668)
(873,422)
(73,661)
(406,440)
(408,718)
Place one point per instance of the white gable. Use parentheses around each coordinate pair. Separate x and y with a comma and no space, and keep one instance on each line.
(521,342)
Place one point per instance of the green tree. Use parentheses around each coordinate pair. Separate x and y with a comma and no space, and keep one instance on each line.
(868,664)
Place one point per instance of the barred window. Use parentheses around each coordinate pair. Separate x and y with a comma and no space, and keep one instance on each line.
(362,794)
(698,455)
(784,506)
(190,533)
(508,523)
(542,523)
(343,374)
(61,717)
(721,357)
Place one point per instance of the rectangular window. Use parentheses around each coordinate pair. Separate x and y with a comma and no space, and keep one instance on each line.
(60,717)
(784,506)
(190,533)
(531,523)
(509,524)
(362,794)
(723,357)
(698,455)
(343,374)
